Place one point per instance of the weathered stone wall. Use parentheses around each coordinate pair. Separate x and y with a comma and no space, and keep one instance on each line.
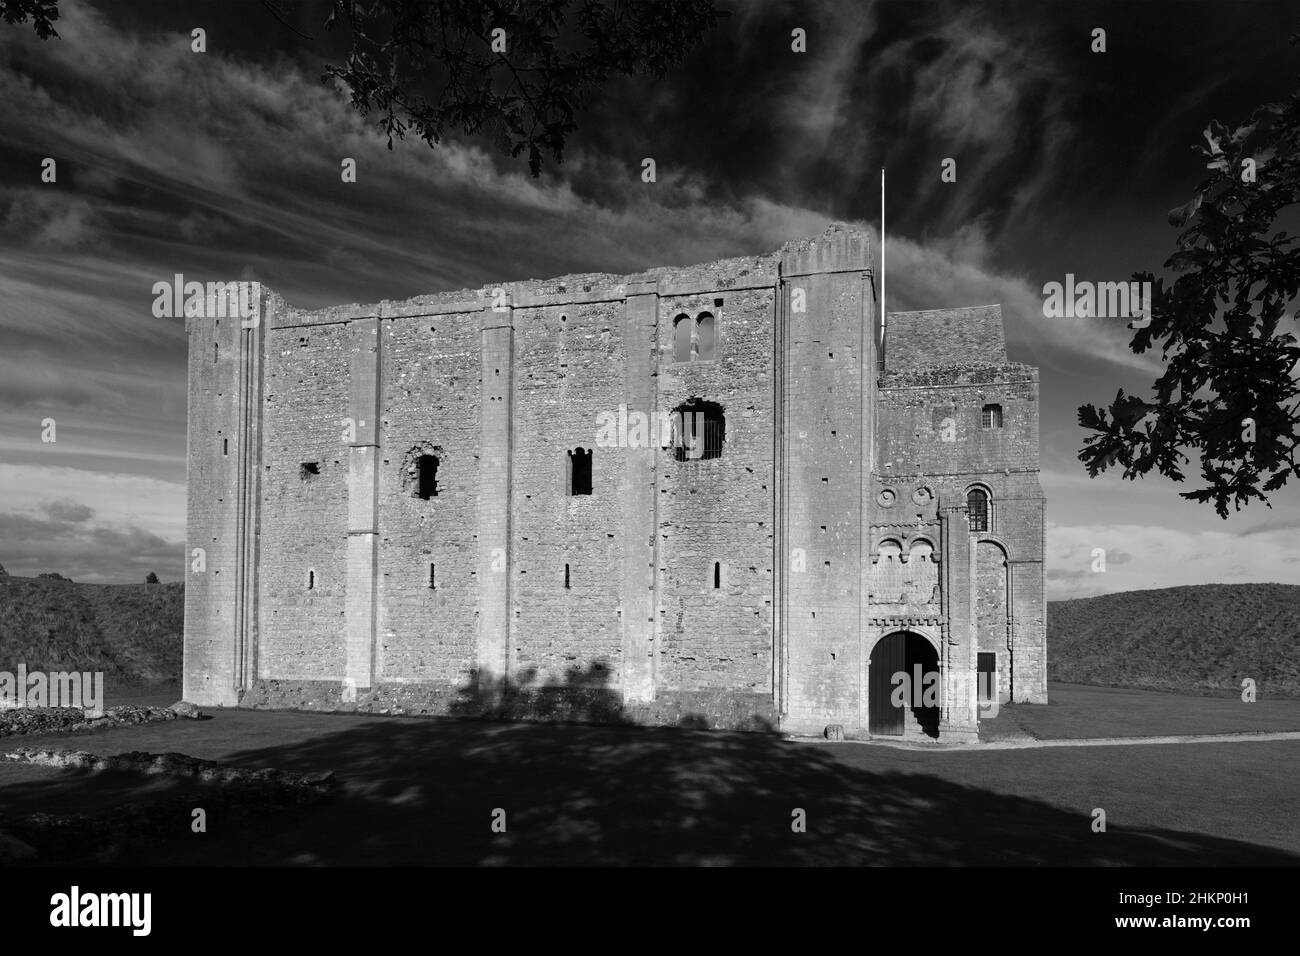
(933,421)
(211,510)
(431,401)
(569,363)
(829,355)
(930,434)
(533,378)
(939,337)
(500,384)
(302,526)
(226,385)
(718,510)
(991,607)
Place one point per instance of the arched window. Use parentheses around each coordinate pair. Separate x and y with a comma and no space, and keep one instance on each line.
(991,416)
(977,507)
(682,338)
(705,336)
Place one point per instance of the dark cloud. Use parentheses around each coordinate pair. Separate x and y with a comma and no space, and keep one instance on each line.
(18,531)
(30,546)
(42,217)
(133,541)
(67,510)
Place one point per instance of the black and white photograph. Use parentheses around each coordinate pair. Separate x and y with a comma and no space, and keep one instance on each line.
(620,434)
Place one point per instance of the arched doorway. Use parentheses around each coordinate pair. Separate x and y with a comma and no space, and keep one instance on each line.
(903,652)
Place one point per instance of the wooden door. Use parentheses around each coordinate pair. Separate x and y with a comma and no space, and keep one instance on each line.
(887,659)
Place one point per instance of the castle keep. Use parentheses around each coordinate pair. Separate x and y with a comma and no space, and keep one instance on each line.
(708,495)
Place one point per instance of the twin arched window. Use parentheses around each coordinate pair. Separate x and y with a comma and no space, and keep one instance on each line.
(694,339)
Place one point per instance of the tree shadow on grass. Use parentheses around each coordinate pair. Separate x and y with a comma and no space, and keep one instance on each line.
(426,791)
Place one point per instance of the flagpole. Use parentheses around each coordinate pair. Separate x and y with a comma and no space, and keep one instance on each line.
(882,256)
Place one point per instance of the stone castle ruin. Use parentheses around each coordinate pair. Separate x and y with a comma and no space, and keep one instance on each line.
(709,495)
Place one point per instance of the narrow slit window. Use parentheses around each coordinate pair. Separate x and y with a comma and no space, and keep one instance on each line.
(433,578)
(566,577)
(717,575)
(311,580)
(225,446)
(580,472)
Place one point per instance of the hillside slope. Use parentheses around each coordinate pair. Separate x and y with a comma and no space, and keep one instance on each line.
(1198,638)
(131,632)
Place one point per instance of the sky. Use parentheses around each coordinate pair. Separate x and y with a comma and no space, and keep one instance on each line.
(226,164)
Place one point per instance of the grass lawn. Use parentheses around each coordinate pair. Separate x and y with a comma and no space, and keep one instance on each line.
(1079,710)
(161,694)
(422,791)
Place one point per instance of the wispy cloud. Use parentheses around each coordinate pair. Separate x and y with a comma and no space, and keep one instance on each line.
(1084,560)
(135,526)
(226,165)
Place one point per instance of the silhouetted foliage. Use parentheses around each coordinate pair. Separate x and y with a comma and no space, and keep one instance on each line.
(431,67)
(42,12)
(1217,326)
(436,66)
(151,578)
